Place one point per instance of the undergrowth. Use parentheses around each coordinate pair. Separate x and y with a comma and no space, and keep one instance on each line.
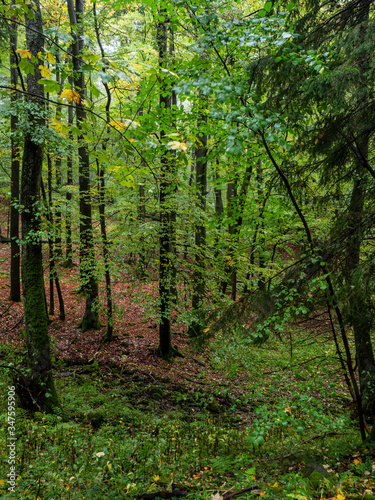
(273,414)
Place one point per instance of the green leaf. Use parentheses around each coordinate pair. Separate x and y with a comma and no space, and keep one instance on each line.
(26,66)
(95,91)
(50,85)
(290,6)
(268,7)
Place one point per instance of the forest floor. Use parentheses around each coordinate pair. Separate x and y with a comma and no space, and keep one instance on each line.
(227,420)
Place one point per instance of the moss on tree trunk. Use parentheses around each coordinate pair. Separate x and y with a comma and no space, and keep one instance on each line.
(36,391)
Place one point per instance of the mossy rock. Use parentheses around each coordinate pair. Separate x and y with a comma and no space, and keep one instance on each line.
(316,474)
(316,479)
(311,468)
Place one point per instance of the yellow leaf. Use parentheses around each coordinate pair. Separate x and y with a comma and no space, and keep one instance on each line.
(56,125)
(340,497)
(24,53)
(262,493)
(70,95)
(178,145)
(206,330)
(357,461)
(117,124)
(50,58)
(46,73)
(275,485)
(170,72)
(156,478)
(131,140)
(109,466)
(2,482)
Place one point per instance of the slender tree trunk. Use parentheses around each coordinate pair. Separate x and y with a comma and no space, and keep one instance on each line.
(199,288)
(39,393)
(89,282)
(58,251)
(51,259)
(235,207)
(165,235)
(15,279)
(229,271)
(219,210)
(101,192)
(262,241)
(141,267)
(53,273)
(69,182)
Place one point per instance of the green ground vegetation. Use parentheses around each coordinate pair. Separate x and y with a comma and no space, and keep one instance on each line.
(257,417)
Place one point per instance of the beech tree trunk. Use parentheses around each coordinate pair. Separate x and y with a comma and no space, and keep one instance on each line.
(89,281)
(101,195)
(39,392)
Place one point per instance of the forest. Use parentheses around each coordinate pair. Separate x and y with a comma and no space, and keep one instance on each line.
(187,256)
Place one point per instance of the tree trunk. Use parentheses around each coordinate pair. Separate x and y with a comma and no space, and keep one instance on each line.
(235,208)
(166,231)
(69,183)
(51,310)
(89,282)
(40,392)
(15,279)
(101,192)
(360,316)
(199,288)
(262,241)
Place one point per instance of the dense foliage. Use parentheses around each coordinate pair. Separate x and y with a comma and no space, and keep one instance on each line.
(222,150)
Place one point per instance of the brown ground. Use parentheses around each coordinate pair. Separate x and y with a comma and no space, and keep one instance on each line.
(136,332)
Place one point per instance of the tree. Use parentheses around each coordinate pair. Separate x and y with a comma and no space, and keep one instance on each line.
(89,282)
(39,392)
(166,180)
(198,295)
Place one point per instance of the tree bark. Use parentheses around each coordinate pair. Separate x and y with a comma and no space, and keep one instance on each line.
(166,231)
(199,288)
(40,392)
(89,282)
(69,183)
(360,316)
(101,194)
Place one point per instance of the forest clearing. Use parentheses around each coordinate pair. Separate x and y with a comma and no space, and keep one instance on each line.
(187,250)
